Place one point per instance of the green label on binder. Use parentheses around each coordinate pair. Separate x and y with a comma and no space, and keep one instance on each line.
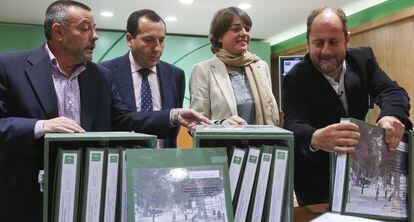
(266,158)
(69,159)
(114,159)
(252,159)
(96,157)
(280,155)
(237,160)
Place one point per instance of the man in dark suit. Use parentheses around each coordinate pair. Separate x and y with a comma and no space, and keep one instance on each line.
(335,81)
(145,36)
(56,88)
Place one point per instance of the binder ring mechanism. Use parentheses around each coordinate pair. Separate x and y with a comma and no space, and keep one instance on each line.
(244,142)
(104,143)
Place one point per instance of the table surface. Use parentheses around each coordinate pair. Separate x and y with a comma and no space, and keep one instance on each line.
(309,212)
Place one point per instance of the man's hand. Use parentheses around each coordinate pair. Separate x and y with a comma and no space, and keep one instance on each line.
(394,131)
(234,120)
(61,125)
(339,137)
(190,118)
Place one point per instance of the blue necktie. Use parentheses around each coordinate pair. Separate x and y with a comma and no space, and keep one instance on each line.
(146,98)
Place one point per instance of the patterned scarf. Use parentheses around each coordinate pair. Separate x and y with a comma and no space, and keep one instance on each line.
(265,104)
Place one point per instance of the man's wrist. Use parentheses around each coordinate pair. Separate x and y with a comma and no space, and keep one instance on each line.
(314,148)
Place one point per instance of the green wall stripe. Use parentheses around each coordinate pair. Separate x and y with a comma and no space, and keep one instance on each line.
(111,47)
(379,11)
(369,14)
(186,98)
(287,44)
(13,24)
(188,53)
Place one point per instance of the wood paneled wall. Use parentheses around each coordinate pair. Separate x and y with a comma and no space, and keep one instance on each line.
(392,39)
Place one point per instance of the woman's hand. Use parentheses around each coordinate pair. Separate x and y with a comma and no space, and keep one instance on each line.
(234,120)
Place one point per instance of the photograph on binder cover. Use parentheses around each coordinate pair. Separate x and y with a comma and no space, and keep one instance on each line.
(178,185)
(179,194)
(377,178)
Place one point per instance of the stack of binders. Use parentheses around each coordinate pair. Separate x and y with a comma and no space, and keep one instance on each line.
(85,175)
(258,180)
(260,169)
(89,185)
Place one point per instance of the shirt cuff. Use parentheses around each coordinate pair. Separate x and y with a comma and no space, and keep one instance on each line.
(38,130)
(313,149)
(174,113)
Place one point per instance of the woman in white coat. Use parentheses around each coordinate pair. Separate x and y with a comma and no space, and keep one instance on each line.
(234,87)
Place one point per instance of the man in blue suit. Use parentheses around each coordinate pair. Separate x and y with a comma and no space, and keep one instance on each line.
(145,36)
(56,88)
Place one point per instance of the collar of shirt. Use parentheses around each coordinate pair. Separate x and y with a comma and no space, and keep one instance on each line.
(339,87)
(135,66)
(56,66)
(153,81)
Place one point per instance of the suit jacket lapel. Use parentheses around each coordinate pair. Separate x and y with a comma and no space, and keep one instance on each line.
(166,87)
(125,83)
(353,91)
(331,96)
(42,82)
(89,97)
(220,73)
